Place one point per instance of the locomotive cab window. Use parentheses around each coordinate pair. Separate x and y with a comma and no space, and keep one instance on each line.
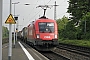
(46,27)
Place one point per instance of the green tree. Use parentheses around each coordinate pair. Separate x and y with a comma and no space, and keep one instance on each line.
(66,29)
(78,8)
(5,32)
(62,23)
(84,25)
(71,30)
(62,26)
(80,12)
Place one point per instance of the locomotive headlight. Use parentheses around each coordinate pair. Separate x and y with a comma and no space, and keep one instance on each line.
(38,36)
(55,36)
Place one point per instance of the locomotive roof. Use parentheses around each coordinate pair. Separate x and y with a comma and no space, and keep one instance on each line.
(42,20)
(45,20)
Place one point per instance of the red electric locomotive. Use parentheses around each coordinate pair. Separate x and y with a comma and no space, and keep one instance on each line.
(43,33)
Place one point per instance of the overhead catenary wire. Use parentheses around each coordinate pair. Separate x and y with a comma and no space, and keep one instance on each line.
(33,7)
(36,13)
(49,1)
(60,6)
(40,11)
(32,12)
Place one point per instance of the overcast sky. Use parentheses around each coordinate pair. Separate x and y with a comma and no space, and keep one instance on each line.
(29,13)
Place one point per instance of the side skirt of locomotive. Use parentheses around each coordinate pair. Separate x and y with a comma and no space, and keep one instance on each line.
(43,45)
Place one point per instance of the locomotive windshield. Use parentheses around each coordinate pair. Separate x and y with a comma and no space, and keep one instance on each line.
(46,27)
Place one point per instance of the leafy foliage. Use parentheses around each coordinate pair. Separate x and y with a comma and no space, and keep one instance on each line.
(80,12)
(5,32)
(66,29)
(84,25)
(78,8)
(62,23)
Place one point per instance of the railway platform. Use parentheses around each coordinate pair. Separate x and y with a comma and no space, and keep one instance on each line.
(22,52)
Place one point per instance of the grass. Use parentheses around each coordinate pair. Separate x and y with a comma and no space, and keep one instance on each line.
(85,43)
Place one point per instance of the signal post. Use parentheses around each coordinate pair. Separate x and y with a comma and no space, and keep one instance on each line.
(10,20)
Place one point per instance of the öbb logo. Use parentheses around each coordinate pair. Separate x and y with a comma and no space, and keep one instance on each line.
(46,36)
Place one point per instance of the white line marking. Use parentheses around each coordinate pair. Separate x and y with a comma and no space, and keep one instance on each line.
(39,54)
(26,52)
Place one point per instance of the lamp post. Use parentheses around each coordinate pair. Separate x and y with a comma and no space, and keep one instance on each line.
(0,29)
(10,35)
(15,19)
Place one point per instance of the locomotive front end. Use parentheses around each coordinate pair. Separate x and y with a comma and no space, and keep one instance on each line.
(46,33)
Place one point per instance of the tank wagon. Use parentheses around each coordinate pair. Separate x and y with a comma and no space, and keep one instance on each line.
(19,36)
(24,34)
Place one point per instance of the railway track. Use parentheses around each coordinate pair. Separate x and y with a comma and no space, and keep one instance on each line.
(73,52)
(68,52)
(76,49)
(53,56)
